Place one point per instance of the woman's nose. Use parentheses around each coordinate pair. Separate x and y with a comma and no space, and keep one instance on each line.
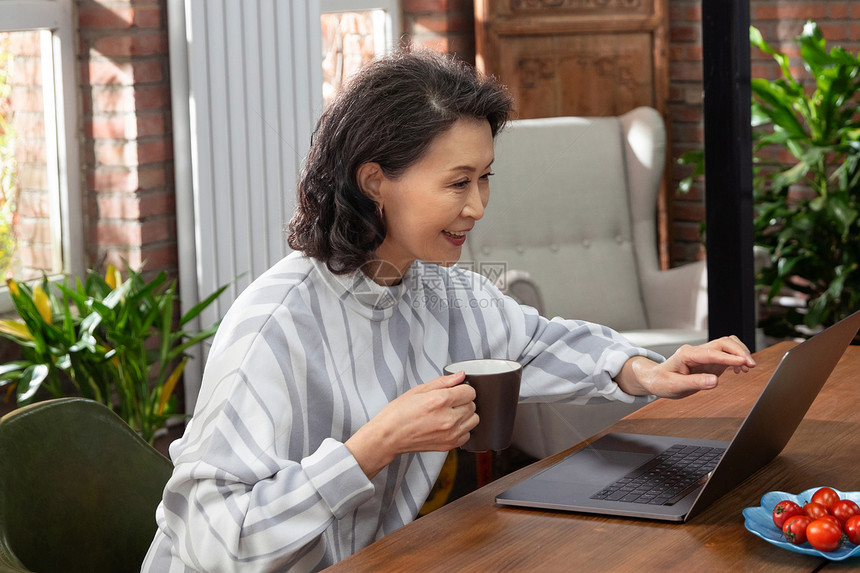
(476,202)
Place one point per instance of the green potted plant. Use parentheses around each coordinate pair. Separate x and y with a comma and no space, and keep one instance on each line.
(114,341)
(806,208)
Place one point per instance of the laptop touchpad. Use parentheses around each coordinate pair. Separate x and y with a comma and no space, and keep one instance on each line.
(595,466)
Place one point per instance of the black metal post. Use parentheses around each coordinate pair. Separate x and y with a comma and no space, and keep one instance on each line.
(728,169)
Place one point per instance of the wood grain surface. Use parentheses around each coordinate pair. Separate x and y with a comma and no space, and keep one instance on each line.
(475,534)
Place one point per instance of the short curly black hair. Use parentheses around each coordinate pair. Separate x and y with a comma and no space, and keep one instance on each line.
(389,113)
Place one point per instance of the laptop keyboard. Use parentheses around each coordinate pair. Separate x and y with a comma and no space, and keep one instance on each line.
(665,479)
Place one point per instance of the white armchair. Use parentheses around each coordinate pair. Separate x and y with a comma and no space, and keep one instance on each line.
(572,221)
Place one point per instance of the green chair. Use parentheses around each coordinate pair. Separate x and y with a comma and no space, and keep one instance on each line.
(78,489)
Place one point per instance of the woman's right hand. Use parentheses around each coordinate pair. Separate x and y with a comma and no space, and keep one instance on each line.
(435,416)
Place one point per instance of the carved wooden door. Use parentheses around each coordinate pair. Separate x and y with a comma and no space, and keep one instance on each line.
(579,58)
(575,57)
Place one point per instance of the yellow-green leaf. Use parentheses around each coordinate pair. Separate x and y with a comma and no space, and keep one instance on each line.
(16,329)
(113,277)
(43,304)
(9,392)
(170,384)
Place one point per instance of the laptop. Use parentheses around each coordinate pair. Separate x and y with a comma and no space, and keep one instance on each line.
(623,474)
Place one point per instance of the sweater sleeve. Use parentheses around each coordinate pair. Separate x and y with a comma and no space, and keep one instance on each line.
(563,360)
(250,491)
(571,360)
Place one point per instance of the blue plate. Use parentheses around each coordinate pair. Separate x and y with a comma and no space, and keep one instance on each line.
(759,520)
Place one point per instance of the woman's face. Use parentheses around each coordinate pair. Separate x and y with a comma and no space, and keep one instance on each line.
(430,208)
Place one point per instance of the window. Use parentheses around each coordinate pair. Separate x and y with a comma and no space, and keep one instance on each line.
(40,204)
(354,32)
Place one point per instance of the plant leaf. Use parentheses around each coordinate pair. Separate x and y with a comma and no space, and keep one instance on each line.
(16,329)
(817,311)
(841,213)
(777,105)
(196,339)
(169,385)
(30,381)
(812,45)
(790,176)
(15,366)
(199,307)
(757,40)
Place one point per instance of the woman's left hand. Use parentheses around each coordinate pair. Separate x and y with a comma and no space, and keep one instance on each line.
(690,369)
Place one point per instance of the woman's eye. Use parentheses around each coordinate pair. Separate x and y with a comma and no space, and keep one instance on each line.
(461,184)
(486,176)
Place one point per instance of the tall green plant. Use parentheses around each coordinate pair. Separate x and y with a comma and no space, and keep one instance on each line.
(806,209)
(51,356)
(110,340)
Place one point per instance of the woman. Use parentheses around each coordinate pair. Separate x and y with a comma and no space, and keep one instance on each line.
(323,421)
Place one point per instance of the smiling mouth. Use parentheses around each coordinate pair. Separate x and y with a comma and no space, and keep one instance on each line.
(454,235)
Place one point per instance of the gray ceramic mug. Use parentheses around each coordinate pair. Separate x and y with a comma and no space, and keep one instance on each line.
(497,390)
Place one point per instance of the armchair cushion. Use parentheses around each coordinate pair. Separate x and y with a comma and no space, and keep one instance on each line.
(677,298)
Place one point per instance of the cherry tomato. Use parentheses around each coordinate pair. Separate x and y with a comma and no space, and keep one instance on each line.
(794,529)
(833,520)
(783,510)
(825,496)
(824,535)
(843,509)
(815,510)
(852,529)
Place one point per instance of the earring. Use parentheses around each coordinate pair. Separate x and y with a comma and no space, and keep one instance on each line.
(380,211)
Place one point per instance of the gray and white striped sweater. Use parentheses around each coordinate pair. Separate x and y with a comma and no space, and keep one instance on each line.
(262,480)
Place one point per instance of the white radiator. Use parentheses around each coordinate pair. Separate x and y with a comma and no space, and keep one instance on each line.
(247,91)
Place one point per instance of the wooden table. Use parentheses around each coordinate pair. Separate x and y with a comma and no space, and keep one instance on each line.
(475,534)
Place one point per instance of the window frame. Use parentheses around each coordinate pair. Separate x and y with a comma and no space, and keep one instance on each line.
(61,121)
(390,7)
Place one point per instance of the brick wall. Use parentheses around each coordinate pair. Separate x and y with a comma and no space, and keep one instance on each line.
(127,143)
(780,21)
